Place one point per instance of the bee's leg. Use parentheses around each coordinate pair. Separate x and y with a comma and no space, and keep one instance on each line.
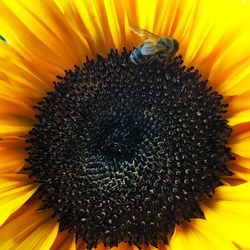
(162,58)
(150,60)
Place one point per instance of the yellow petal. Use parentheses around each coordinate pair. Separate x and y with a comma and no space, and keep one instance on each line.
(123,246)
(231,70)
(236,79)
(15,190)
(12,155)
(239,103)
(80,245)
(195,39)
(232,224)
(145,13)
(14,125)
(184,237)
(101,246)
(88,20)
(212,238)
(142,247)
(50,39)
(14,130)
(162,246)
(240,117)
(244,162)
(64,241)
(134,247)
(229,213)
(238,130)
(238,179)
(236,193)
(15,108)
(113,23)
(69,244)
(240,144)
(240,175)
(29,229)
(125,34)
(240,84)
(150,247)
(240,172)
(203,48)
(197,237)
(23,76)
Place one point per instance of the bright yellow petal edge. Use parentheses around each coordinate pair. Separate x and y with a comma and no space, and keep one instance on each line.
(46,37)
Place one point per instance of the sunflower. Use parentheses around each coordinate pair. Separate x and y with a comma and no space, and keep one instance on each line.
(98,152)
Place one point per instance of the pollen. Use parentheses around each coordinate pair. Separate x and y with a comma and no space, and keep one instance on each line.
(125,152)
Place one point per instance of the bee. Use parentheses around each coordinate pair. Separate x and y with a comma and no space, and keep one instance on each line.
(153,47)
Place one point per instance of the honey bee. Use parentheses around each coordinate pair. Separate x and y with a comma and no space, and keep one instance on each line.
(153,47)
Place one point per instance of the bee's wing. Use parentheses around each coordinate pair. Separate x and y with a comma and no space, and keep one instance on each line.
(148,49)
(144,34)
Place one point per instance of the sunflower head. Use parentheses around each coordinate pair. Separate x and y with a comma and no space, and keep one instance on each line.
(131,145)
(119,159)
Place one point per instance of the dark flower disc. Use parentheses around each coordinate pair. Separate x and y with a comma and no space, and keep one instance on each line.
(125,152)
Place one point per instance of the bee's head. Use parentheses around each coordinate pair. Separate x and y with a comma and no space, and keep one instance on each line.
(176,45)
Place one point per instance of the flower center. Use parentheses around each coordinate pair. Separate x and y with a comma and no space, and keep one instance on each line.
(125,152)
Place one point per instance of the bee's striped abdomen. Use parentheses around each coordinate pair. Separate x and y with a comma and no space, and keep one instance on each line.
(137,57)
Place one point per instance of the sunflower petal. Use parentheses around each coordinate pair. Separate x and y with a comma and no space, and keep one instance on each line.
(101,246)
(238,131)
(240,144)
(113,23)
(232,69)
(14,130)
(64,241)
(243,173)
(212,238)
(126,246)
(84,17)
(23,76)
(80,245)
(123,246)
(236,193)
(238,81)
(15,190)
(12,155)
(29,229)
(15,111)
(184,237)
(68,244)
(197,237)
(229,213)
(239,172)
(239,103)
(244,162)
(240,117)
(51,39)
